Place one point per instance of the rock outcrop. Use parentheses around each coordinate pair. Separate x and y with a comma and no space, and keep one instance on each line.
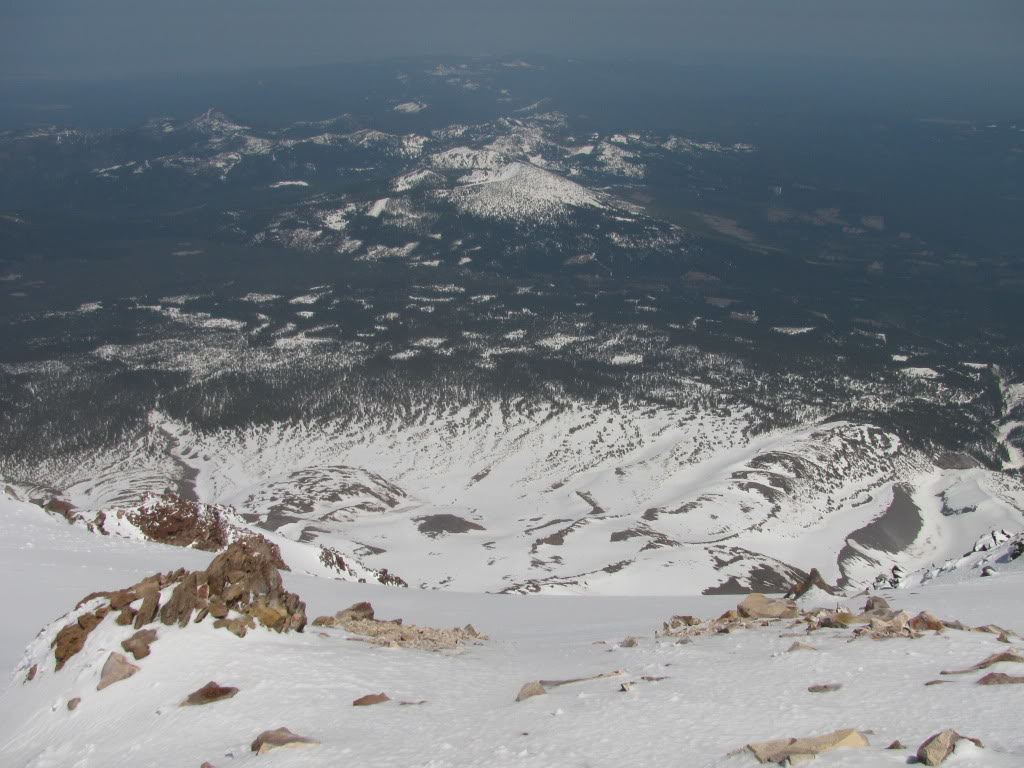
(359,620)
(241,589)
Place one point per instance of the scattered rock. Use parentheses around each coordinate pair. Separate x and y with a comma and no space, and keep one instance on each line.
(626,687)
(1001,678)
(237,627)
(925,620)
(1011,654)
(757,606)
(799,646)
(824,688)
(280,738)
(208,694)
(412,703)
(138,644)
(533,688)
(896,745)
(73,703)
(31,674)
(555,683)
(938,747)
(359,620)
(630,642)
(799,750)
(116,669)
(879,607)
(370,699)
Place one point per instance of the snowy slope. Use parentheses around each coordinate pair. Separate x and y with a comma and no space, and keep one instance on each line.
(695,708)
(610,500)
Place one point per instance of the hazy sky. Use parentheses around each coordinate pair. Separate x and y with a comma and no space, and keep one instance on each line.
(89,38)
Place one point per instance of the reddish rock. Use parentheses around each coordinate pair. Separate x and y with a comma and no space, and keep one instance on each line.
(138,644)
(69,641)
(208,694)
(1001,678)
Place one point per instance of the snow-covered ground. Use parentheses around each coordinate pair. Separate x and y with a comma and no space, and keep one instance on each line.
(716,694)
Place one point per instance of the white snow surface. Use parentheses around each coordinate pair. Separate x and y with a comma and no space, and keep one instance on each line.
(717,694)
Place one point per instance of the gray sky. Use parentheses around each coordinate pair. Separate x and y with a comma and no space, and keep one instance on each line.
(95,38)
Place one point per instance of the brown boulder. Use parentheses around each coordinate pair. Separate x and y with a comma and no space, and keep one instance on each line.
(877,606)
(799,750)
(936,748)
(116,669)
(208,694)
(122,598)
(1010,654)
(138,644)
(757,606)
(278,738)
(73,703)
(370,699)
(69,641)
(234,626)
(798,646)
(925,620)
(533,688)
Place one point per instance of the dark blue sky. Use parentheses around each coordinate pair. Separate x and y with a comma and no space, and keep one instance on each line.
(98,38)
